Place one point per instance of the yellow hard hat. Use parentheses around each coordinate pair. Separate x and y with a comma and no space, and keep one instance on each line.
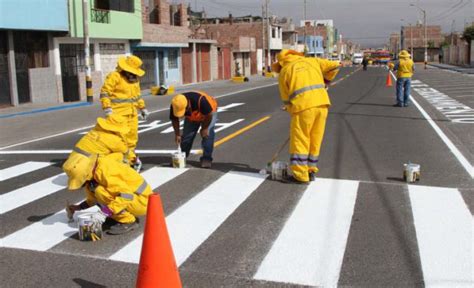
(114,123)
(131,64)
(179,104)
(404,54)
(78,168)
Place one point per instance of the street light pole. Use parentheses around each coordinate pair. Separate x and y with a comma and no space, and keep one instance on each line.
(425,42)
(85,18)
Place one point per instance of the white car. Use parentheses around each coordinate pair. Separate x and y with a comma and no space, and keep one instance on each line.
(357,58)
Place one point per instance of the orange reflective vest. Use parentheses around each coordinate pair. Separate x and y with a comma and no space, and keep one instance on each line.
(197,116)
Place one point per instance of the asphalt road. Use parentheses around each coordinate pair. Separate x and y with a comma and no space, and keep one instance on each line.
(359,224)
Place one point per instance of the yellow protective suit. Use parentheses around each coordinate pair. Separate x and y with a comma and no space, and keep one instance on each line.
(302,84)
(123,98)
(119,187)
(102,141)
(405,68)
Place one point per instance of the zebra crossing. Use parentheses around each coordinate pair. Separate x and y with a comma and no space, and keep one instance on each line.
(308,247)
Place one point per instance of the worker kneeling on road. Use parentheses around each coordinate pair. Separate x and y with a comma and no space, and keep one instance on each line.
(120,95)
(302,83)
(108,136)
(120,191)
(200,111)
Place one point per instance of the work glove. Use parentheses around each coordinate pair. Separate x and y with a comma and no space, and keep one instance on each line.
(108,111)
(143,114)
(98,218)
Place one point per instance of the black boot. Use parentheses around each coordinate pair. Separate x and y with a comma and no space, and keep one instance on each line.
(122,228)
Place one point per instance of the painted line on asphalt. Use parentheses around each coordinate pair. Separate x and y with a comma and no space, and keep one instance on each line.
(54,229)
(445,240)
(459,156)
(155,111)
(30,193)
(21,169)
(139,151)
(237,133)
(192,223)
(55,108)
(310,247)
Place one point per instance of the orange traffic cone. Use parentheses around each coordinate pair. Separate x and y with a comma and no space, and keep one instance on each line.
(157,263)
(388,82)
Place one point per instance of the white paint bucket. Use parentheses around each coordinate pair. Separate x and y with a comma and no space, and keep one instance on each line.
(411,172)
(87,227)
(178,159)
(279,170)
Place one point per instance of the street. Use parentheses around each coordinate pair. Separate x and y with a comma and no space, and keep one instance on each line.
(358,225)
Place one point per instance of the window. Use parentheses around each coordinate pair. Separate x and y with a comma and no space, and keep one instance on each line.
(112,48)
(116,5)
(173,59)
(273,33)
(32,47)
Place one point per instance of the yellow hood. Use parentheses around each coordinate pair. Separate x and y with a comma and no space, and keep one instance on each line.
(287,56)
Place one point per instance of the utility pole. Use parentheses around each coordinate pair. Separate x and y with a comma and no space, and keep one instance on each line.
(263,40)
(85,17)
(304,38)
(268,27)
(426,32)
(411,40)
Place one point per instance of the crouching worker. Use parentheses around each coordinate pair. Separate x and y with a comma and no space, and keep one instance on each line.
(120,191)
(108,136)
(200,112)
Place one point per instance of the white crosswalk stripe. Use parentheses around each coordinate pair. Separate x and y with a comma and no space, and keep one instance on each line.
(30,193)
(308,250)
(22,169)
(194,222)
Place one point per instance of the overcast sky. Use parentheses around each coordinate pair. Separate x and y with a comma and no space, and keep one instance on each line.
(368,22)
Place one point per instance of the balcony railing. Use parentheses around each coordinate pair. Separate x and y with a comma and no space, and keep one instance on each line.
(100,16)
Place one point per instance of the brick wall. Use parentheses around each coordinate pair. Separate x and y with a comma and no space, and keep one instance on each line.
(415,35)
(228,34)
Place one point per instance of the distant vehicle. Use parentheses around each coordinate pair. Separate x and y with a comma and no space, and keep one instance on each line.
(334,57)
(357,58)
(381,57)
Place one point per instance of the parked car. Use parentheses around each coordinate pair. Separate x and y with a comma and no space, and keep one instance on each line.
(357,58)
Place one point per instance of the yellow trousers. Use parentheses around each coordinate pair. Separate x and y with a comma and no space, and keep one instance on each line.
(306,135)
(134,207)
(132,136)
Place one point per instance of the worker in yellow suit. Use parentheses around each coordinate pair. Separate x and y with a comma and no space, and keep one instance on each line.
(108,136)
(302,83)
(120,94)
(120,191)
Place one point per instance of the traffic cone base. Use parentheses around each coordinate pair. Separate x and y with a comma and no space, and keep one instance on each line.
(157,266)
(388,81)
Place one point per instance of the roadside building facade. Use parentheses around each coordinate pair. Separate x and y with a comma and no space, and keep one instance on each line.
(27,59)
(413,37)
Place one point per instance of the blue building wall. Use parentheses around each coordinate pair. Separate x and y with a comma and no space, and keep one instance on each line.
(171,73)
(314,44)
(46,15)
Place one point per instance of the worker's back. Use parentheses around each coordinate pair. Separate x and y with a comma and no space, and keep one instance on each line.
(405,68)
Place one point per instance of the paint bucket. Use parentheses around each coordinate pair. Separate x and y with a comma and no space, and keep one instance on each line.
(279,170)
(87,227)
(178,159)
(411,172)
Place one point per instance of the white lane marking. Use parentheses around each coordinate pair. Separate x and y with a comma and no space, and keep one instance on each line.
(311,245)
(464,162)
(21,169)
(444,231)
(54,229)
(30,193)
(13,152)
(152,112)
(192,223)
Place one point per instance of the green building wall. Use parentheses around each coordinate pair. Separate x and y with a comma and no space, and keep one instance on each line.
(122,25)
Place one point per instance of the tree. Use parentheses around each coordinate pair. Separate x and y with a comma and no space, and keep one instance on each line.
(468,35)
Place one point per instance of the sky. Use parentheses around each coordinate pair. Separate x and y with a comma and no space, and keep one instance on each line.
(368,22)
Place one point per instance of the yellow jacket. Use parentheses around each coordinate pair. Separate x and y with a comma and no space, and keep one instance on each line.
(302,81)
(120,95)
(405,68)
(118,182)
(100,141)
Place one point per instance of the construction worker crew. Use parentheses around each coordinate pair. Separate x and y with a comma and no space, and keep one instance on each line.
(108,136)
(199,111)
(120,191)
(302,83)
(120,94)
(405,68)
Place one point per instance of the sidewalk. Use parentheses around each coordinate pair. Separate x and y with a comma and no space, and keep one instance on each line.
(33,121)
(464,70)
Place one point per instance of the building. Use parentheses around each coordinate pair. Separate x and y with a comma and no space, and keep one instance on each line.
(27,62)
(323,28)
(394,43)
(313,46)
(112,24)
(456,51)
(289,34)
(412,39)
(247,37)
